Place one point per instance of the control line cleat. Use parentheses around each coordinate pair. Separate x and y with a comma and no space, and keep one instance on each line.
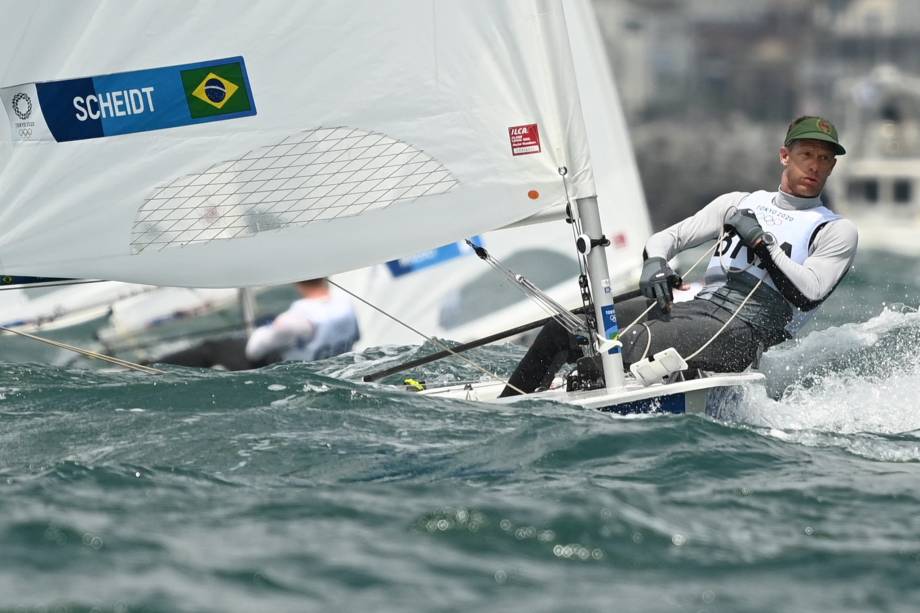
(656,368)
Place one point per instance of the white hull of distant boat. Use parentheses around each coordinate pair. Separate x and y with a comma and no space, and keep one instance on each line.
(877,184)
(882,197)
(896,234)
(64,307)
(699,396)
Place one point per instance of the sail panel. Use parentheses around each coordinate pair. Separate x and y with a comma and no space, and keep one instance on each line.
(449,118)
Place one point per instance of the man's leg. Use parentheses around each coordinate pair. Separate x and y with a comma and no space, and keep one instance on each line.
(554,346)
(549,351)
(689,326)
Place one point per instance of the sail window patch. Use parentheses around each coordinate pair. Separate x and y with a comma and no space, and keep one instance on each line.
(310,177)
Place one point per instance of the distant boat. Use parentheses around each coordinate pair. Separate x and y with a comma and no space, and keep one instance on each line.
(877,184)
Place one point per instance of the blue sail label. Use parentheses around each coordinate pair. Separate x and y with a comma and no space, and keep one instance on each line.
(130,102)
(611,329)
(435,257)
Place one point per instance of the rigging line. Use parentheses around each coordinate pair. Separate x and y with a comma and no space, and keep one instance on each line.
(535,293)
(587,300)
(689,270)
(720,330)
(87,353)
(477,343)
(50,284)
(551,307)
(648,341)
(559,312)
(725,325)
(428,338)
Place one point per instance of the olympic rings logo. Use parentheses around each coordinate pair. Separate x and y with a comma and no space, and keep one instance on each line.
(25,132)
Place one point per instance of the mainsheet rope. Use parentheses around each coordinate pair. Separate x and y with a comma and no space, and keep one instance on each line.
(428,338)
(87,353)
(719,240)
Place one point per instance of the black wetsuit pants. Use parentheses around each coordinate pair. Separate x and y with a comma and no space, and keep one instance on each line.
(229,353)
(687,327)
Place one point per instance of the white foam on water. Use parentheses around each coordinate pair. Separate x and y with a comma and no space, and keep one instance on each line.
(785,364)
(855,387)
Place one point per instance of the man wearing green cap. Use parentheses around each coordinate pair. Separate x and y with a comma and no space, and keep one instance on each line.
(781,254)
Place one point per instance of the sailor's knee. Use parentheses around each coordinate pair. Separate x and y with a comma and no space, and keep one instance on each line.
(635,344)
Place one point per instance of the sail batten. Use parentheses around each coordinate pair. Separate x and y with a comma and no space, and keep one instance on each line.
(320,138)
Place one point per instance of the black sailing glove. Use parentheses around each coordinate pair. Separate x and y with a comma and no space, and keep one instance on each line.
(656,282)
(746,226)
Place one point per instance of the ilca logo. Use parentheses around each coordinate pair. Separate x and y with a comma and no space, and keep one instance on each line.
(22,106)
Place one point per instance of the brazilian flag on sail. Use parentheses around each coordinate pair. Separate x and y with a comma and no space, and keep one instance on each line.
(216,90)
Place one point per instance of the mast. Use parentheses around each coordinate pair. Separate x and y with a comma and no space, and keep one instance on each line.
(599,277)
(248,309)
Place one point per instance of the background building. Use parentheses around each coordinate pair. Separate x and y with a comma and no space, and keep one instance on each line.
(709,86)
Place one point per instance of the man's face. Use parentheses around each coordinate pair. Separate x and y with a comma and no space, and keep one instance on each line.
(806,166)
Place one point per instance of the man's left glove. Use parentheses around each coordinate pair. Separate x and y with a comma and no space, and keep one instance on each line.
(746,226)
(656,281)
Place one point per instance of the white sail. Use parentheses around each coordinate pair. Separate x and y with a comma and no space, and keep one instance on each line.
(345,134)
(61,307)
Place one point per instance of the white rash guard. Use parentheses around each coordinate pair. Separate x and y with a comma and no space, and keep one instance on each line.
(311,329)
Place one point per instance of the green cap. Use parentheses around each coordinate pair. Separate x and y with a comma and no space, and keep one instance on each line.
(814,128)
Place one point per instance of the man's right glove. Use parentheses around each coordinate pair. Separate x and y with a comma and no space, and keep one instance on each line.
(744,223)
(657,281)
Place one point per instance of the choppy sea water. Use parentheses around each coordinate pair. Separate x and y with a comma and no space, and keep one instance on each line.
(298,488)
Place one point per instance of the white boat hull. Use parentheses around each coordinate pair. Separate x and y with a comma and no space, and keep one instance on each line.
(699,396)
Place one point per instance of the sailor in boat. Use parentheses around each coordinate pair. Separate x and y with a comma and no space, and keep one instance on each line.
(320,324)
(780,256)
